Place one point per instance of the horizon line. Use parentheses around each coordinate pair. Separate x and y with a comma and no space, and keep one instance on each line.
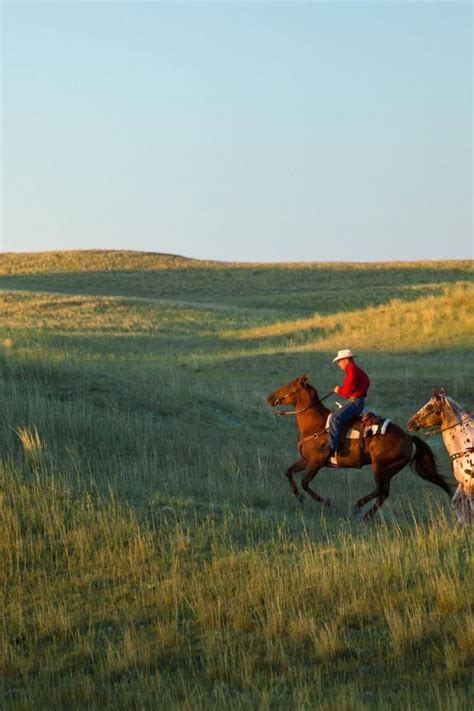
(328,262)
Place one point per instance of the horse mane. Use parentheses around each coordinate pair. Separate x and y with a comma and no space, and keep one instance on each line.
(313,394)
(314,398)
(457,410)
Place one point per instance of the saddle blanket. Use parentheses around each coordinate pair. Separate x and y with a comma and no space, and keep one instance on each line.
(377,428)
(372,429)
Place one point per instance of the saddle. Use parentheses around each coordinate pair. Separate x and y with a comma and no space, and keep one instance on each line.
(359,428)
(366,425)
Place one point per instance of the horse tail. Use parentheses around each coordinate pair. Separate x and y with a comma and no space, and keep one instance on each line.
(423,463)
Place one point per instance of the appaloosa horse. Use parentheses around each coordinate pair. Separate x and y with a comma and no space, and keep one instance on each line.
(388,453)
(457,428)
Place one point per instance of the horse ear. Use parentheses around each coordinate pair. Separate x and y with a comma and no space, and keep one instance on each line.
(435,393)
(303,379)
(443,391)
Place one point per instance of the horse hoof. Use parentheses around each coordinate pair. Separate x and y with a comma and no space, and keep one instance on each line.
(301,499)
(327,503)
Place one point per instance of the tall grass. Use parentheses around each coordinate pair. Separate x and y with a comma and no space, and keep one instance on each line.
(103,603)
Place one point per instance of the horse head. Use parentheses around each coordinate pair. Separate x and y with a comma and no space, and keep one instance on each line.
(430,414)
(288,394)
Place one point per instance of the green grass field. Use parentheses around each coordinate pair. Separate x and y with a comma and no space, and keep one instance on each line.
(154,554)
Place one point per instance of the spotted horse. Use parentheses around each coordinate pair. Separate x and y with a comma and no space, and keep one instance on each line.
(456,425)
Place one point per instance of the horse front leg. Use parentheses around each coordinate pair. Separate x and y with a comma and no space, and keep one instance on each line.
(463,506)
(296,467)
(305,483)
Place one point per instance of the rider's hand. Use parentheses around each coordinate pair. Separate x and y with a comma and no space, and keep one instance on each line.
(336,389)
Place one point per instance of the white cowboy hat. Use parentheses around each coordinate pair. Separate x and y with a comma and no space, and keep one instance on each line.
(346,353)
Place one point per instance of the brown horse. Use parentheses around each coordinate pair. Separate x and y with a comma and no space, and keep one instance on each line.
(387,453)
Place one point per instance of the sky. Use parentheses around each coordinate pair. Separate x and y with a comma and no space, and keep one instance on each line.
(245,131)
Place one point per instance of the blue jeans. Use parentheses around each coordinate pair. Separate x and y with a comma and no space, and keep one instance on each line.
(347,412)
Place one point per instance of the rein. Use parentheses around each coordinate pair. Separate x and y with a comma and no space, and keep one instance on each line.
(315,435)
(438,429)
(283,413)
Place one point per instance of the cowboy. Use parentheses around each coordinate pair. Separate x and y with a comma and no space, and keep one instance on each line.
(354,389)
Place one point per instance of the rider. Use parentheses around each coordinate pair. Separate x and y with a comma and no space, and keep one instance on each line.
(354,389)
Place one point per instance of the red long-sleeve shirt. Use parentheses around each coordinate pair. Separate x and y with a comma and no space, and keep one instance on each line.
(356,382)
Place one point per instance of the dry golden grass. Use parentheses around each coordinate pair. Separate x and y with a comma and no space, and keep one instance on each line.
(87,260)
(86,315)
(106,260)
(430,320)
(94,590)
(32,445)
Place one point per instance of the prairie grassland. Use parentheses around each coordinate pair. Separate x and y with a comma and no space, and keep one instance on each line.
(267,291)
(86,316)
(436,319)
(154,555)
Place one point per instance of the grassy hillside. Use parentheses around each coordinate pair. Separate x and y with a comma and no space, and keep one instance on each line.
(154,553)
(268,290)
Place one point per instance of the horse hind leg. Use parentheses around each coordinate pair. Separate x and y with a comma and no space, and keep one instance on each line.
(365,500)
(383,474)
(380,498)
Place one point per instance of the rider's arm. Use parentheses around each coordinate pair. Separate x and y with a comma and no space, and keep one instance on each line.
(348,385)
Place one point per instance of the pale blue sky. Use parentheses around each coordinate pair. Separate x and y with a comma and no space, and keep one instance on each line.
(244,131)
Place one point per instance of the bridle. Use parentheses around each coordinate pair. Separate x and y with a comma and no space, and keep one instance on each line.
(285,413)
(437,429)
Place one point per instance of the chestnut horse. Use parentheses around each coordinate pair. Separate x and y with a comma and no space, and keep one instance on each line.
(387,453)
